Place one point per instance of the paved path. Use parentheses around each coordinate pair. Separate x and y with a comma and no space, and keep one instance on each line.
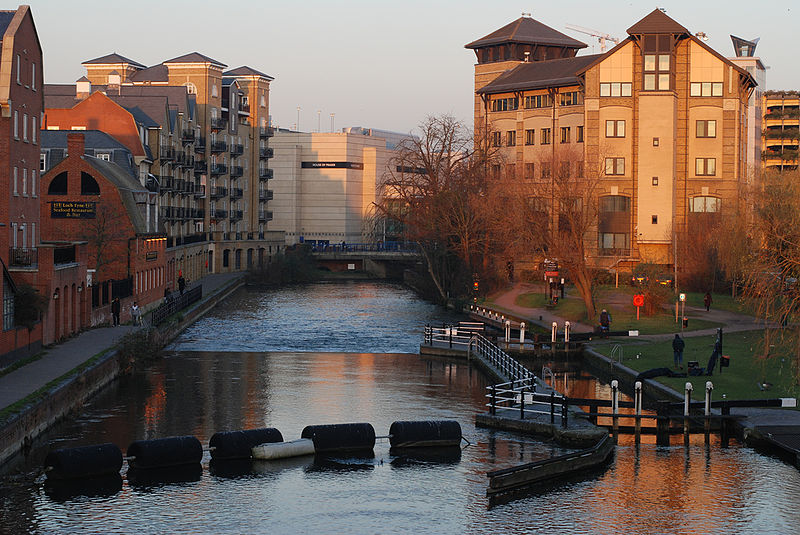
(58,360)
(506,301)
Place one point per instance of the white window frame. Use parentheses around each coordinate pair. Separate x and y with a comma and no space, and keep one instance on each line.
(24,181)
(33,183)
(16,179)
(25,127)
(16,124)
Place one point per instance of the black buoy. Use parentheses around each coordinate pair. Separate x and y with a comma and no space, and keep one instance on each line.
(425,434)
(341,437)
(162,452)
(84,462)
(239,444)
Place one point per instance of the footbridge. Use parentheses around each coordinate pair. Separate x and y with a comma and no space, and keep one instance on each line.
(383,260)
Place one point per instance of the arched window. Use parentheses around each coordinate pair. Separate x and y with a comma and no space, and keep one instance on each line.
(89,185)
(191,88)
(58,186)
(613,236)
(704,204)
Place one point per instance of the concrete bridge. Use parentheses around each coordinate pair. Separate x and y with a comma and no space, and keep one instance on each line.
(386,261)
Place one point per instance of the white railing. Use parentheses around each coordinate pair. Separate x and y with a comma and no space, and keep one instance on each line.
(521,397)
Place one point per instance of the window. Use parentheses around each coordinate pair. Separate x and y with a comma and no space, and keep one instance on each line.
(703,204)
(511,170)
(58,186)
(25,127)
(572,98)
(579,134)
(706,128)
(504,104)
(615,166)
(33,130)
(214,90)
(529,171)
(655,181)
(565,134)
(544,138)
(705,89)
(8,306)
(565,169)
(104,156)
(16,124)
(615,89)
(496,170)
(42,162)
(656,72)
(655,142)
(530,136)
(511,138)
(24,182)
(706,166)
(615,128)
(654,219)
(18,69)
(579,168)
(611,242)
(545,168)
(496,139)
(615,203)
(15,192)
(538,101)
(33,76)
(33,182)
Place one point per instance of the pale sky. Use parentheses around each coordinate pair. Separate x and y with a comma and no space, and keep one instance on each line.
(374,63)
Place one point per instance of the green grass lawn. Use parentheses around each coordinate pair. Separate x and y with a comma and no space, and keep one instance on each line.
(740,381)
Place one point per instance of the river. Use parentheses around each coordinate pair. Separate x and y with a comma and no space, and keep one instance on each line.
(348,352)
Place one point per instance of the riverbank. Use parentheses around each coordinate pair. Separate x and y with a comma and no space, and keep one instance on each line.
(35,396)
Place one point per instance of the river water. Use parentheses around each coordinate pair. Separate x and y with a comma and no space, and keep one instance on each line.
(347,352)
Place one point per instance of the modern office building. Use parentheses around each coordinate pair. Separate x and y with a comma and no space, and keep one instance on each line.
(659,121)
(745,57)
(326,184)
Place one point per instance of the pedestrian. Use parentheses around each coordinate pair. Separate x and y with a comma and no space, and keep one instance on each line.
(707,301)
(115,307)
(605,322)
(166,294)
(136,314)
(181,283)
(677,349)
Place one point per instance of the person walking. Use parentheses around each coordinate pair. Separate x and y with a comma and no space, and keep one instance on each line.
(136,314)
(181,283)
(677,349)
(707,301)
(115,308)
(605,322)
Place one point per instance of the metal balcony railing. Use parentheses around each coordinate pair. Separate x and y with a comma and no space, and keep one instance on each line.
(266,131)
(218,123)
(199,190)
(265,195)
(236,215)
(188,136)
(237,149)
(236,171)
(265,215)
(219,169)
(23,257)
(236,193)
(218,214)
(265,174)
(200,145)
(265,153)
(166,152)
(219,146)
(218,191)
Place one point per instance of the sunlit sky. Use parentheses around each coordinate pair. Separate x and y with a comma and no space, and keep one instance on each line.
(373,63)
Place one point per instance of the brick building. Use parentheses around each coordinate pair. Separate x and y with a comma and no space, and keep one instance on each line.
(660,120)
(93,200)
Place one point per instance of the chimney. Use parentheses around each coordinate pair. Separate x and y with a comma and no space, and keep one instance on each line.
(82,88)
(75,144)
(114,81)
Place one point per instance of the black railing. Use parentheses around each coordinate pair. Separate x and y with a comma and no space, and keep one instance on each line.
(266,215)
(219,169)
(166,182)
(218,123)
(266,153)
(167,152)
(200,144)
(200,166)
(237,215)
(219,146)
(236,193)
(175,302)
(188,136)
(236,171)
(265,174)
(266,131)
(265,195)
(237,149)
(218,191)
(219,214)
(22,257)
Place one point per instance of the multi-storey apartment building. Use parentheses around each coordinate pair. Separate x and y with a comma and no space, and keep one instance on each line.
(745,57)
(781,134)
(210,156)
(659,122)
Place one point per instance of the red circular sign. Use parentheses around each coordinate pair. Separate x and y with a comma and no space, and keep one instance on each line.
(638,300)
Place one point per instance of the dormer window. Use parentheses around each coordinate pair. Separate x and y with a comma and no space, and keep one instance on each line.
(657,63)
(114,78)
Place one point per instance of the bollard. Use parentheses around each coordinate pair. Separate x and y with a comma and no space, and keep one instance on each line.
(450,336)
(522,403)
(494,399)
(508,332)
(724,434)
(614,403)
(552,407)
(687,400)
(564,411)
(553,333)
(566,334)
(522,336)
(709,388)
(637,402)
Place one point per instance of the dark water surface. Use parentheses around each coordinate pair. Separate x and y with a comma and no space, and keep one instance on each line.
(329,354)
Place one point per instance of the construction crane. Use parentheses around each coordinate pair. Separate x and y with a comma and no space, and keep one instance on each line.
(601,37)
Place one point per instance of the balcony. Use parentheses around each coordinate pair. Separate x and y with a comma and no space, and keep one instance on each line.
(179,185)
(64,255)
(236,193)
(200,166)
(236,171)
(237,149)
(22,257)
(199,190)
(218,123)
(189,187)
(218,214)
(167,182)
(187,136)
(265,195)
(200,145)
(198,213)
(236,215)
(218,191)
(264,216)
(265,131)
(265,174)
(265,153)
(166,153)
(786,155)
(219,169)
(219,146)
(151,184)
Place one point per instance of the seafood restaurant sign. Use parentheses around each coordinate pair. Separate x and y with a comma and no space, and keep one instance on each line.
(73,210)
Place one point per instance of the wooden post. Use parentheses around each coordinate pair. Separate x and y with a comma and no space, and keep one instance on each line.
(564,411)
(687,400)
(552,407)
(614,405)
(494,399)
(726,411)
(637,401)
(522,403)
(662,423)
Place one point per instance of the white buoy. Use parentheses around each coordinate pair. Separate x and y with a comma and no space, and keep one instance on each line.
(282,450)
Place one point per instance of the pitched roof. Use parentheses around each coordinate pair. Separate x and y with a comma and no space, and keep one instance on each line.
(194,57)
(95,141)
(244,70)
(540,74)
(5,20)
(657,22)
(141,117)
(127,187)
(112,58)
(527,30)
(156,73)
